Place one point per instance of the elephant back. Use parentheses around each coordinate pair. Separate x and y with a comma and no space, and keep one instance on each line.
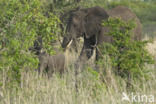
(126,14)
(122,12)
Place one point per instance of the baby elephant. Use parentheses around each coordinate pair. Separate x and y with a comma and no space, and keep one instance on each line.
(51,64)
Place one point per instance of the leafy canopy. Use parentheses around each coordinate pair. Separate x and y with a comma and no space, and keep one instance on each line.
(127,56)
(21,23)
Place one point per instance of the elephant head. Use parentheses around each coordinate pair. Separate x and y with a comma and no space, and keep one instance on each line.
(84,23)
(87,23)
(75,27)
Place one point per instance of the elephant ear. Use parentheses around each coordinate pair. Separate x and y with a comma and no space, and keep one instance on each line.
(93,21)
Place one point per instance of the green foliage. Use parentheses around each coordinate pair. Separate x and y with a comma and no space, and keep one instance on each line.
(58,6)
(92,75)
(127,55)
(22,21)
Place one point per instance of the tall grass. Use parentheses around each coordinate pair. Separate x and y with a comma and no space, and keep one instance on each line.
(36,89)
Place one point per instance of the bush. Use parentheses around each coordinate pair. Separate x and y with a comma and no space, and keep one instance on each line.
(22,21)
(127,56)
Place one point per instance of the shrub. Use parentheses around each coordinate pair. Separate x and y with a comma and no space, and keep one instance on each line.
(22,21)
(127,56)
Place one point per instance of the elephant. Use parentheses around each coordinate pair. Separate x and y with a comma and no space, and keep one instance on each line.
(51,63)
(64,19)
(86,23)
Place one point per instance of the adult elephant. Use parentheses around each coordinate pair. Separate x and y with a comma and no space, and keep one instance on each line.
(86,23)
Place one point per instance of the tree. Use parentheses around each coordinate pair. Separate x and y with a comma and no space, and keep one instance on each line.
(128,56)
(21,24)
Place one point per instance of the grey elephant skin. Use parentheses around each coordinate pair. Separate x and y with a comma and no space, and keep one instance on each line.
(51,63)
(86,23)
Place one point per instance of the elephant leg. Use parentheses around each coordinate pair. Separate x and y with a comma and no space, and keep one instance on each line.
(97,67)
(97,54)
(88,47)
(43,66)
(86,53)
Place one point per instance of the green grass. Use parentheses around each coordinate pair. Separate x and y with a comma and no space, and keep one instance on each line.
(36,89)
(41,90)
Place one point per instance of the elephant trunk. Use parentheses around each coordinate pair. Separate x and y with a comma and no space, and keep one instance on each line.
(67,40)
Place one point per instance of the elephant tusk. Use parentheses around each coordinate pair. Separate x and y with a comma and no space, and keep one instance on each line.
(69,43)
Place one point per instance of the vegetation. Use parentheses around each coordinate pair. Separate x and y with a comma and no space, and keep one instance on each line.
(128,56)
(23,21)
